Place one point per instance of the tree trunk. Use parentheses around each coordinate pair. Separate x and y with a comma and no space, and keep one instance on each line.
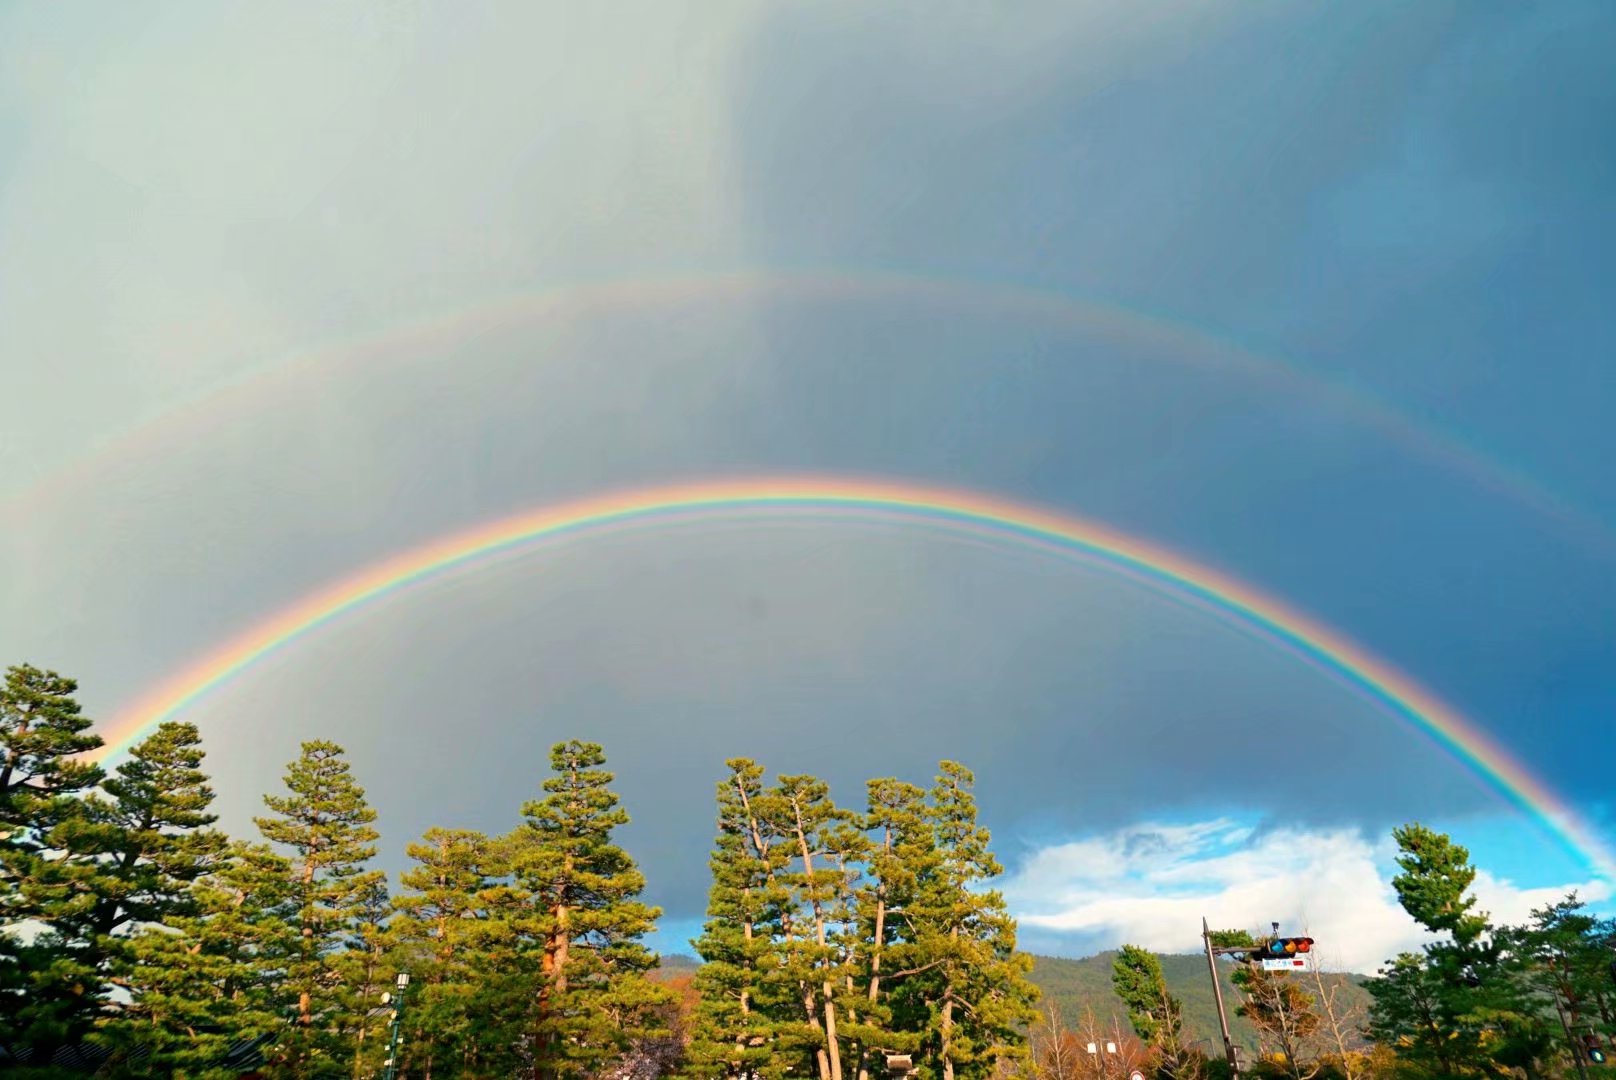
(876,943)
(305,1015)
(553,969)
(831,1046)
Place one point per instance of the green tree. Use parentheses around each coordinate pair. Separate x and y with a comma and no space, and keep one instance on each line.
(1434,884)
(50,983)
(324,823)
(1564,954)
(982,1000)
(837,938)
(42,732)
(211,976)
(903,856)
(141,844)
(1461,1007)
(1410,1012)
(150,833)
(367,966)
(581,915)
(818,881)
(448,936)
(741,1025)
(1156,1015)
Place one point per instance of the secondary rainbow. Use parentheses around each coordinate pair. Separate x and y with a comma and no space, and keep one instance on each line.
(1153,566)
(280,380)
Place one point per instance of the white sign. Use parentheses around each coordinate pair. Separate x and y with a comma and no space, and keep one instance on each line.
(1288,963)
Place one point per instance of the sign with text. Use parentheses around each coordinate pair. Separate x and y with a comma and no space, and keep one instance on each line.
(1287,963)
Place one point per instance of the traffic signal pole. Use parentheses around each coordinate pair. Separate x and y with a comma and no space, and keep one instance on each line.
(1217,994)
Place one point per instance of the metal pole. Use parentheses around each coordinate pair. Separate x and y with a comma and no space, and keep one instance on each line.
(1217,994)
(391,1070)
(1571,1037)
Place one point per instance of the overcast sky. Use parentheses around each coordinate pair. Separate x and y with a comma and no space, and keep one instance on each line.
(1320,295)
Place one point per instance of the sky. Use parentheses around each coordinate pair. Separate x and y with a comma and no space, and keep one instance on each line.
(1318,296)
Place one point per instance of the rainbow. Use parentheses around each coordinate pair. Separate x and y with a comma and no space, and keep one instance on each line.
(1163,338)
(831,497)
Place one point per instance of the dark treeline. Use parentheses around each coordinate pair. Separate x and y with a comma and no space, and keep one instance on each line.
(138,940)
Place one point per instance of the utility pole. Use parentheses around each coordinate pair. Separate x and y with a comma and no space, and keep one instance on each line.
(1577,1051)
(1217,994)
(390,1072)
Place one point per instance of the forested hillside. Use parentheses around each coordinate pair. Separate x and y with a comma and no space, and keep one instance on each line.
(1077,985)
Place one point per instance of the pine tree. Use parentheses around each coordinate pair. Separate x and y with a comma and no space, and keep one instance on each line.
(367,967)
(1434,883)
(814,957)
(50,988)
(983,1001)
(41,733)
(1410,1011)
(902,856)
(139,847)
(211,977)
(324,822)
(1462,1006)
(1156,1015)
(738,1029)
(835,939)
(1565,955)
(581,916)
(446,932)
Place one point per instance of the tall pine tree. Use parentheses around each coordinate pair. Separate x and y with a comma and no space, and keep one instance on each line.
(814,958)
(447,932)
(50,982)
(324,823)
(738,1030)
(582,921)
(210,978)
(981,999)
(148,837)
(902,857)
(1156,1015)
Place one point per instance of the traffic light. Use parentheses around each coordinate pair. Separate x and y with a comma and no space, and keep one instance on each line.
(1590,1044)
(1283,954)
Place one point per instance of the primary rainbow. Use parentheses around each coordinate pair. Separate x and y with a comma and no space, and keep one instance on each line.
(1153,566)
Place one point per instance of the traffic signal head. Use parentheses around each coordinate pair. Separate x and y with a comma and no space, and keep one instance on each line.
(1289,946)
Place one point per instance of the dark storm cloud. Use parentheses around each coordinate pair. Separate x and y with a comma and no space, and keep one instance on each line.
(1412,199)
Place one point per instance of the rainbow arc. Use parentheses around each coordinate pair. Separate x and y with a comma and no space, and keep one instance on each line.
(997,519)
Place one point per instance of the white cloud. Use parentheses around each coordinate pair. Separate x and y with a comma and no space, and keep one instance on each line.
(1151,884)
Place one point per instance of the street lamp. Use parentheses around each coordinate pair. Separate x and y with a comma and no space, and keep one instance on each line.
(1099,1050)
(390,1071)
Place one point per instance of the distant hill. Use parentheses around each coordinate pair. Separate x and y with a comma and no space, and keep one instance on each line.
(1075,984)
(679,964)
